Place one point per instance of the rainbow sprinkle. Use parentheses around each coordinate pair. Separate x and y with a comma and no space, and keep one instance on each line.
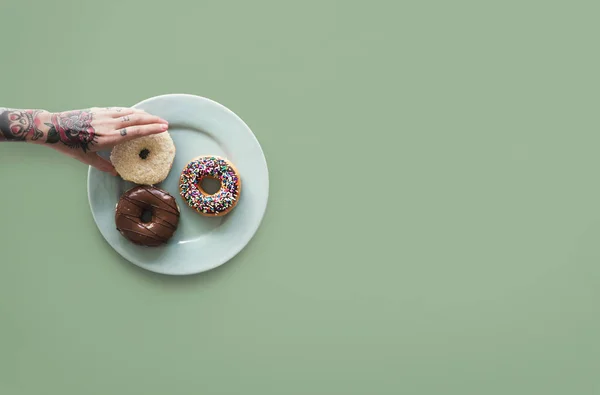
(215,167)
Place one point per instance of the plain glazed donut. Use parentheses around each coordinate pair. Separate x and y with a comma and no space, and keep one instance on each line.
(147,215)
(219,203)
(146,160)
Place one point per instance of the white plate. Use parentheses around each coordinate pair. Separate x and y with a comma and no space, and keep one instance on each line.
(198,126)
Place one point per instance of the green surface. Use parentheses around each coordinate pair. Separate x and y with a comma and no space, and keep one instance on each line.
(433,226)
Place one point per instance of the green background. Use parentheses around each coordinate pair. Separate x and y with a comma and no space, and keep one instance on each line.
(433,224)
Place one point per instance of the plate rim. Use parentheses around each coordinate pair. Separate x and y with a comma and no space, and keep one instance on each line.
(233,252)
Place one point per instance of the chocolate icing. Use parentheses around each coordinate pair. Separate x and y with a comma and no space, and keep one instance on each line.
(165,215)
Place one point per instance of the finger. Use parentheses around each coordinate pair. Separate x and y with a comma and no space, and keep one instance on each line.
(118,112)
(134,132)
(112,109)
(99,163)
(138,119)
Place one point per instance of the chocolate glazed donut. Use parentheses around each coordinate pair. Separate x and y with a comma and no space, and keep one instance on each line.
(147,216)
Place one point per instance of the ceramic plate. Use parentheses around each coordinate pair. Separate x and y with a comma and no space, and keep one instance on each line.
(198,126)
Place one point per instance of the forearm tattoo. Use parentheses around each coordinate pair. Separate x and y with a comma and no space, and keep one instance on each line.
(19,125)
(72,128)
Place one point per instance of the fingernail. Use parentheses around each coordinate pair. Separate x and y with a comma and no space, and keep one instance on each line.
(164,121)
(164,127)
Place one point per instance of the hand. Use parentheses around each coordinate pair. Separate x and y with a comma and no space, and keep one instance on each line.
(81,133)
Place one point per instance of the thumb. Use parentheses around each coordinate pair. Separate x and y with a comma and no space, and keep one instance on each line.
(95,160)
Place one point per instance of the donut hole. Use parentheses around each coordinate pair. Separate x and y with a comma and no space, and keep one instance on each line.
(210,185)
(144,153)
(146,216)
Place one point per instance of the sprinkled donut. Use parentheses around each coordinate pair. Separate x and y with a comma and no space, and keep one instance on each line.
(220,169)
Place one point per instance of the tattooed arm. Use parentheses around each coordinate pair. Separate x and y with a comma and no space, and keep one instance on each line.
(20,125)
(79,133)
